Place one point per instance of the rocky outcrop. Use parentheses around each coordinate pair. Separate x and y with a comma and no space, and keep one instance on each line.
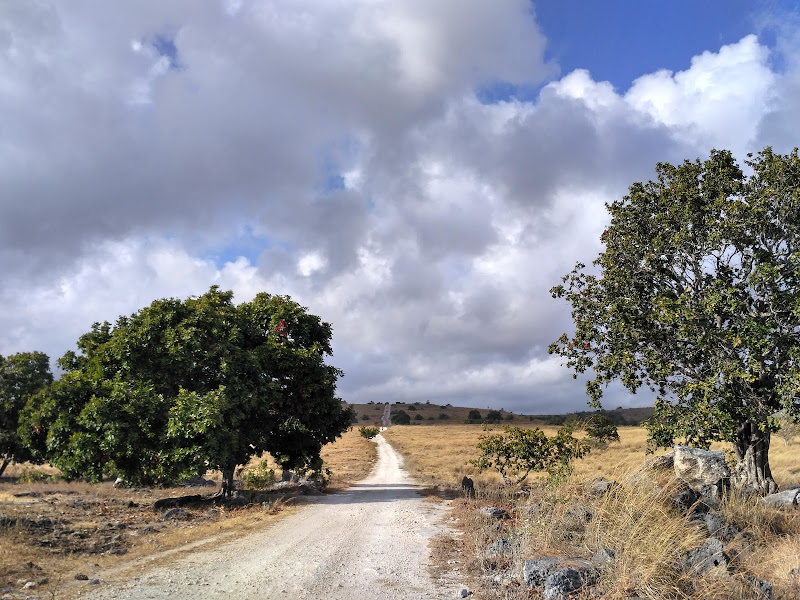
(784,499)
(705,471)
(557,578)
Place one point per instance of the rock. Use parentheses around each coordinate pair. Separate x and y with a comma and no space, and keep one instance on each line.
(172,513)
(784,499)
(463,593)
(493,512)
(118,550)
(29,585)
(81,577)
(290,477)
(601,487)
(500,547)
(686,499)
(603,557)
(718,527)
(708,558)
(762,590)
(704,471)
(95,582)
(662,462)
(120,482)
(536,574)
(196,482)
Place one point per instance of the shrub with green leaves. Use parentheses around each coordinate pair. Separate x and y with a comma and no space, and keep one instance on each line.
(368,432)
(519,452)
(259,477)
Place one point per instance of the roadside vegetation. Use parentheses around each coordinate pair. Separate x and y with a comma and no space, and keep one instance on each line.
(568,517)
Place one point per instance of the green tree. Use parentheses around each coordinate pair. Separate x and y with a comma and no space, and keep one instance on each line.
(519,452)
(695,296)
(181,386)
(494,416)
(21,376)
(600,428)
(474,416)
(401,417)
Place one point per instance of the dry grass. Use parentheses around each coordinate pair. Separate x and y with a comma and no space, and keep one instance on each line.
(84,514)
(635,520)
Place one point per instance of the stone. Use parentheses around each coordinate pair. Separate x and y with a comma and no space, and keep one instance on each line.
(705,471)
(604,557)
(784,499)
(686,499)
(708,558)
(463,593)
(561,583)
(172,513)
(500,547)
(601,487)
(718,527)
(81,577)
(537,571)
(762,590)
(29,585)
(493,512)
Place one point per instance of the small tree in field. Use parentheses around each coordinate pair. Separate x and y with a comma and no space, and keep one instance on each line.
(519,452)
(788,428)
(695,296)
(600,428)
(368,432)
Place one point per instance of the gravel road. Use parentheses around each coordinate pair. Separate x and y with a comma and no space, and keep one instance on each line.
(368,542)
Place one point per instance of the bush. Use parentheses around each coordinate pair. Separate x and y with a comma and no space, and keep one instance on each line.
(443,416)
(418,417)
(35,476)
(494,416)
(601,429)
(368,432)
(474,416)
(401,417)
(259,477)
(519,452)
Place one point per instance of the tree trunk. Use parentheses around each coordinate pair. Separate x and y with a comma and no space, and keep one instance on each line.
(227,482)
(6,460)
(752,472)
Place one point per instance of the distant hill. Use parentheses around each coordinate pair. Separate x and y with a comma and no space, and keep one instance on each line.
(425,413)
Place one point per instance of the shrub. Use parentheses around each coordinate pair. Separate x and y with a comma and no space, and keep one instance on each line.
(401,417)
(418,417)
(601,429)
(365,417)
(519,452)
(494,416)
(474,416)
(443,416)
(259,477)
(368,432)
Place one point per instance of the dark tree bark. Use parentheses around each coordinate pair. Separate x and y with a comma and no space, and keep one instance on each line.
(227,482)
(752,471)
(6,461)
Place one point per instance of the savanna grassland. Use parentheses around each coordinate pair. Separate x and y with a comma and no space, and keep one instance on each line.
(635,520)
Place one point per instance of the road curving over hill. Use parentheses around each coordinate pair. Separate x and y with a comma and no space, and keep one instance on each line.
(370,541)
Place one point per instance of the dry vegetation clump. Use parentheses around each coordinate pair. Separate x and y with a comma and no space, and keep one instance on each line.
(51,530)
(636,519)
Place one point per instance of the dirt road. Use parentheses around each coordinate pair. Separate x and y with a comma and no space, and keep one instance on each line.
(365,543)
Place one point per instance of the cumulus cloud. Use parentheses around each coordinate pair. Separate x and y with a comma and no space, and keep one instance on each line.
(338,152)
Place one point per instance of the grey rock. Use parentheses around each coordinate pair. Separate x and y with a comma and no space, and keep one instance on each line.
(95,582)
(535,572)
(561,583)
(172,513)
(762,589)
(718,527)
(601,487)
(493,512)
(705,471)
(500,547)
(468,487)
(686,499)
(784,499)
(81,577)
(708,558)
(463,593)
(604,557)
(290,477)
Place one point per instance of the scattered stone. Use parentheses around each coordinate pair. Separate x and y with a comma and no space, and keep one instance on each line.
(468,487)
(120,482)
(289,476)
(463,593)
(705,471)
(663,462)
(81,577)
(708,558)
(196,482)
(119,551)
(28,495)
(784,499)
(604,557)
(687,499)
(211,512)
(95,582)
(29,585)
(493,512)
(561,583)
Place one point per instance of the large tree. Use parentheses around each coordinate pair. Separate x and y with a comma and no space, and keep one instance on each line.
(696,297)
(181,386)
(21,375)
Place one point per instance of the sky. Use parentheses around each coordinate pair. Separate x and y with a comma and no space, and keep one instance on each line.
(418,173)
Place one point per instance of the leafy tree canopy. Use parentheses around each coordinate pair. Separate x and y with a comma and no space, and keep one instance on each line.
(695,296)
(21,375)
(182,386)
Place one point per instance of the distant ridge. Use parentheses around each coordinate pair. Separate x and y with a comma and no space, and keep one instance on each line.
(426,413)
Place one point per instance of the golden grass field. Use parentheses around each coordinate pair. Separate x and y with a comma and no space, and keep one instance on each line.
(634,520)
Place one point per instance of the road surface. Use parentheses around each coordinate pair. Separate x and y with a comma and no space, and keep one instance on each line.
(368,542)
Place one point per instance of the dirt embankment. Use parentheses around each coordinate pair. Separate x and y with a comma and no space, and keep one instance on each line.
(369,541)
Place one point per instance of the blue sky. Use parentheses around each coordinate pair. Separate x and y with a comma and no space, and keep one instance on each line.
(419,174)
